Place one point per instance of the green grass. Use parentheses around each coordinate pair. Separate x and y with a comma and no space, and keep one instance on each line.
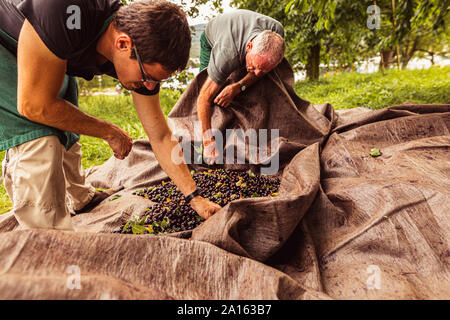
(375,91)
(116,109)
(120,111)
(5,203)
(343,91)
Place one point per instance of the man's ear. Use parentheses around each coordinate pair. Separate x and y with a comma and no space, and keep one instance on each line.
(249,46)
(123,42)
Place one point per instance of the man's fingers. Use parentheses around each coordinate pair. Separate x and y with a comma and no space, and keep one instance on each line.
(218,99)
(121,155)
(209,160)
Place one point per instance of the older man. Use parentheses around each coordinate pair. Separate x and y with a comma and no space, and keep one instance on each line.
(231,41)
(54,40)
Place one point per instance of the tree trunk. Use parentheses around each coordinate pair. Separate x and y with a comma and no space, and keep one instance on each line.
(394,23)
(386,58)
(313,65)
(409,53)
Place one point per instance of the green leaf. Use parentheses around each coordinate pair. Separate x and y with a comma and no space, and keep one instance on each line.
(150,229)
(138,229)
(289,6)
(115,197)
(327,25)
(251,174)
(199,158)
(375,152)
(199,149)
(125,226)
(156,224)
(303,6)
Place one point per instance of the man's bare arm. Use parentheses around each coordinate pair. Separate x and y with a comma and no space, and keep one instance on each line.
(204,102)
(40,78)
(160,136)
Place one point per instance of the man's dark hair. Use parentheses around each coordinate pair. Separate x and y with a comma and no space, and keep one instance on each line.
(159,30)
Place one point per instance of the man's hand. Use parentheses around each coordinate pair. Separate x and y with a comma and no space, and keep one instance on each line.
(120,142)
(228,93)
(210,152)
(204,207)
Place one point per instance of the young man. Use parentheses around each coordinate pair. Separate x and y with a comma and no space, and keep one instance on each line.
(231,41)
(141,44)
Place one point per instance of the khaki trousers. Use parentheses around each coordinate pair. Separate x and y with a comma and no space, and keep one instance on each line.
(44,181)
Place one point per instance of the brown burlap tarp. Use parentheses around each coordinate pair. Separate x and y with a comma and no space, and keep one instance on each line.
(344,226)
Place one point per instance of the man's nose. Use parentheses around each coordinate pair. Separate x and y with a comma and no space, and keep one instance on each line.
(258,72)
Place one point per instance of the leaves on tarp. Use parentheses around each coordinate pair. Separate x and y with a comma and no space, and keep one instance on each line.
(375,152)
(115,197)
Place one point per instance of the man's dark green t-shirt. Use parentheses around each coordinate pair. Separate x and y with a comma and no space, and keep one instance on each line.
(70,29)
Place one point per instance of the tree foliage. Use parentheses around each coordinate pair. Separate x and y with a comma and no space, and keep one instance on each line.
(336,32)
(340,28)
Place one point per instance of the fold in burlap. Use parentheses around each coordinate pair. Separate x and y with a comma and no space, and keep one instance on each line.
(344,226)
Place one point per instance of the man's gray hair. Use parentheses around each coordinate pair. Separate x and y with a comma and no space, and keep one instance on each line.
(269,44)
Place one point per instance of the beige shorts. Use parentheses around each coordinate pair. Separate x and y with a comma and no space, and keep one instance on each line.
(44,182)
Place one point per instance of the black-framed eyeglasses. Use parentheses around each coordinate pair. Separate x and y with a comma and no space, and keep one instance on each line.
(144,76)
